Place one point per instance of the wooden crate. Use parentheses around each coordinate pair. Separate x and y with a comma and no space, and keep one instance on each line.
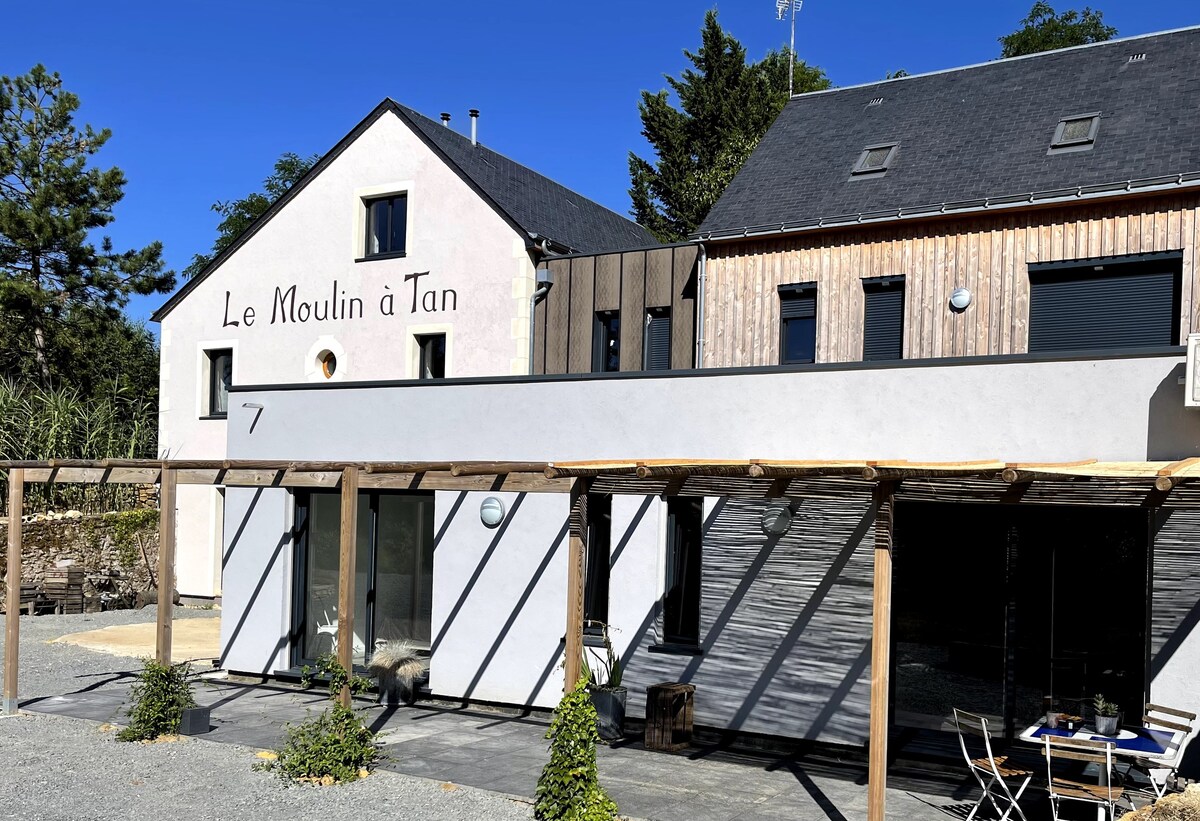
(65,586)
(669,715)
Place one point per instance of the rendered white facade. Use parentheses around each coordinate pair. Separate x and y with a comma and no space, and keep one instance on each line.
(294,290)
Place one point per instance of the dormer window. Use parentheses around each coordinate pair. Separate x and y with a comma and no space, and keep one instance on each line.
(1076,133)
(875,159)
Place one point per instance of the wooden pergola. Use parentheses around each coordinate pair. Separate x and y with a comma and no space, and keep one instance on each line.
(1081,482)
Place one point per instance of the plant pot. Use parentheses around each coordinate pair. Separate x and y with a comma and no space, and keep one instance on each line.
(195,721)
(610,712)
(1106,725)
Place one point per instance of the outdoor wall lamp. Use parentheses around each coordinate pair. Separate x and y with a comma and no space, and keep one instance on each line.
(776,519)
(491,512)
(960,298)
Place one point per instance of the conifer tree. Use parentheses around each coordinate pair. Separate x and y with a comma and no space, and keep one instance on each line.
(725,107)
(51,202)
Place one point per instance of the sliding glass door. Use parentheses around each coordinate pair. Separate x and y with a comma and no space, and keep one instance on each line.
(997,608)
(393,586)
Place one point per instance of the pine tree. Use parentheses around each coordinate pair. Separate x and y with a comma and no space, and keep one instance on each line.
(726,105)
(51,200)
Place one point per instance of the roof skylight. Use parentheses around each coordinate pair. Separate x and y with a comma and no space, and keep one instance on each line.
(875,158)
(1077,133)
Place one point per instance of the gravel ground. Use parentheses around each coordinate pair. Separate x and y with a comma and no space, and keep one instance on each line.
(69,769)
(54,669)
(62,769)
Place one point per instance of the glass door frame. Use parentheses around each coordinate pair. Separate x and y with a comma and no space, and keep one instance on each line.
(300,572)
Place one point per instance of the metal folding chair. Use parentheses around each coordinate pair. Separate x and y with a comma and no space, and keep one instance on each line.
(1103,793)
(991,771)
(1159,771)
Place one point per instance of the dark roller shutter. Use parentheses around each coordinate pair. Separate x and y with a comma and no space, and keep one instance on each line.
(1122,306)
(798,304)
(658,339)
(883,320)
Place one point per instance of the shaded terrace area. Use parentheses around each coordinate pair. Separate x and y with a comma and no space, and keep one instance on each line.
(1087,482)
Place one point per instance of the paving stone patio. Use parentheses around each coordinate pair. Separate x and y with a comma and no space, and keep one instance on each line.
(504,751)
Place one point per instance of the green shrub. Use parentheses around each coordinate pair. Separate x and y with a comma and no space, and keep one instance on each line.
(335,747)
(160,695)
(569,788)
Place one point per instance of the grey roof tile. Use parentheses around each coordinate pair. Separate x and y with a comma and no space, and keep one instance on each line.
(536,203)
(976,132)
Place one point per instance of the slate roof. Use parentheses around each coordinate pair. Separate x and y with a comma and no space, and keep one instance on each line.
(536,203)
(974,133)
(530,202)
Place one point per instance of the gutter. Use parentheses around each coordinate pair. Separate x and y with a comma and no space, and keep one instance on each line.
(1082,193)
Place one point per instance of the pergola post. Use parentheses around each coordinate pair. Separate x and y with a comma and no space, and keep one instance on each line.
(881,640)
(12,607)
(346,570)
(575,568)
(166,564)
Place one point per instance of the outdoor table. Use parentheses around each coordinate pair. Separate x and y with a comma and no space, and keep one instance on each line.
(1159,746)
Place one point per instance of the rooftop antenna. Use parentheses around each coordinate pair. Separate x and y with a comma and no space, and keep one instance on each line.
(781,9)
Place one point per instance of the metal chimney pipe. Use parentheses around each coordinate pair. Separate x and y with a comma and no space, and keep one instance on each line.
(474,112)
(446,118)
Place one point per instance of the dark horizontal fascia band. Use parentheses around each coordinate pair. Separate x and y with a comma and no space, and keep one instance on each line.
(208,417)
(620,250)
(675,650)
(1159,256)
(702,373)
(797,287)
(888,280)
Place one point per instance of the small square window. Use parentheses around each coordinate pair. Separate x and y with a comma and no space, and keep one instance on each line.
(220,377)
(1076,133)
(433,356)
(387,226)
(875,158)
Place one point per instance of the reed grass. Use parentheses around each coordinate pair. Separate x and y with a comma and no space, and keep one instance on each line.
(60,423)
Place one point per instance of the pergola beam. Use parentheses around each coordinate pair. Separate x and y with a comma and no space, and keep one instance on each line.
(166,566)
(12,605)
(577,548)
(881,630)
(347,554)
(496,468)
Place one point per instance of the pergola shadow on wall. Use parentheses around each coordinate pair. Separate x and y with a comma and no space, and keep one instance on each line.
(1137,484)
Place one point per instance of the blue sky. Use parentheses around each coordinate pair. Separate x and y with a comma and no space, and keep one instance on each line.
(202,97)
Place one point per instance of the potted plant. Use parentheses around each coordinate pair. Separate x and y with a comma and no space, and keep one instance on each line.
(1107,715)
(603,676)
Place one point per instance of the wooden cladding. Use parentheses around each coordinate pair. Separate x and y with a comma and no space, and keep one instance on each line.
(987,254)
(633,283)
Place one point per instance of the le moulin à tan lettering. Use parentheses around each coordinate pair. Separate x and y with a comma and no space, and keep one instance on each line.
(289,305)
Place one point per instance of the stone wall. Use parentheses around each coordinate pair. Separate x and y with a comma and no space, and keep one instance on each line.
(114,549)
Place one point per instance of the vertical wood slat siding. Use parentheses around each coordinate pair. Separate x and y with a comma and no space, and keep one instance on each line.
(554,325)
(683,313)
(633,309)
(630,282)
(987,254)
(608,286)
(583,288)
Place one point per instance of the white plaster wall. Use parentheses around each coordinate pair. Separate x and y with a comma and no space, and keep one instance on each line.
(1117,409)
(313,243)
(499,599)
(257,562)
(499,596)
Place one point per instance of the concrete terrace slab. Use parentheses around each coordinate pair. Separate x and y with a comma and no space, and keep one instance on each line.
(505,751)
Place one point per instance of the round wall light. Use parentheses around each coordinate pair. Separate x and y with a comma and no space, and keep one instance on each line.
(491,511)
(960,298)
(776,520)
